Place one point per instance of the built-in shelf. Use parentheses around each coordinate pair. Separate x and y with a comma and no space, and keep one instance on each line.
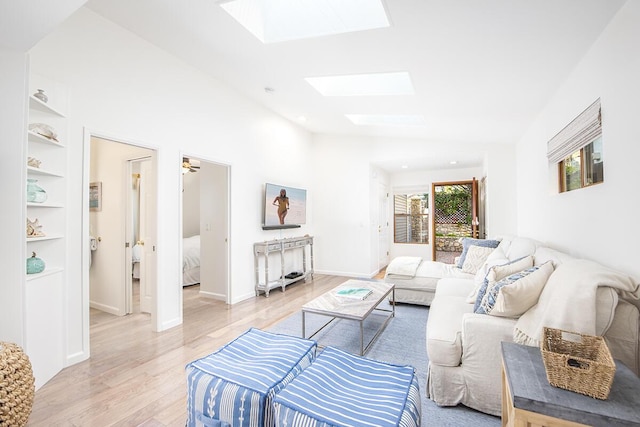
(44,205)
(47,272)
(40,171)
(41,238)
(36,137)
(36,104)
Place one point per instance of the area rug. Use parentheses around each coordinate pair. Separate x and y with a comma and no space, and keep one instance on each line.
(403,342)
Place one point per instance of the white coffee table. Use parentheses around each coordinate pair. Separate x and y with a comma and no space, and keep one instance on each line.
(339,307)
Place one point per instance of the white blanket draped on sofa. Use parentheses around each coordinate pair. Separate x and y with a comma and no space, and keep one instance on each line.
(568,300)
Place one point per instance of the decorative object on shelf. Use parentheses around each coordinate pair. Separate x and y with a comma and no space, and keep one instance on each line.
(35,265)
(41,96)
(33,162)
(95,196)
(34,228)
(35,193)
(44,130)
(17,384)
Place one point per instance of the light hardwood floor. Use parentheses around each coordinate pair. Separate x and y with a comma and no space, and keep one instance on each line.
(136,377)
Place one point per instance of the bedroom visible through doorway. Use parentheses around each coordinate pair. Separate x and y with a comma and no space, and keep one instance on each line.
(205,227)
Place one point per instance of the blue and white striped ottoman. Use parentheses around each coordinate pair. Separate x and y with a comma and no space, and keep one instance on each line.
(340,389)
(235,385)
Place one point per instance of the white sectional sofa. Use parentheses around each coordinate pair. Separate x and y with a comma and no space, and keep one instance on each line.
(567,293)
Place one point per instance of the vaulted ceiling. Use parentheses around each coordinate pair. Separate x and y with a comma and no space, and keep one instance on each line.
(481,70)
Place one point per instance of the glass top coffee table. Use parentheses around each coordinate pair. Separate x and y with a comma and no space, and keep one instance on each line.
(352,307)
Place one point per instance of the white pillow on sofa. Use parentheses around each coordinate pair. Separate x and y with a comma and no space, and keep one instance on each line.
(475,259)
(513,295)
(500,269)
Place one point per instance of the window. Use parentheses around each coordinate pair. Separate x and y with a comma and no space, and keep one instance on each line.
(577,150)
(411,218)
(582,168)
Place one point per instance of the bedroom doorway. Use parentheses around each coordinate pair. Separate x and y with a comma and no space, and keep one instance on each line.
(205,227)
(120,176)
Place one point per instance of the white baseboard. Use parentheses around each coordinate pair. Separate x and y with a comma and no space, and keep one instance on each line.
(105,308)
(213,295)
(344,273)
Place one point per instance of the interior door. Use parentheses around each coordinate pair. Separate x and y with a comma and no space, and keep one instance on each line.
(383,226)
(147,235)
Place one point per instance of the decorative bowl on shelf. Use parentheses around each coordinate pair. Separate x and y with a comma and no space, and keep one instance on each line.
(45,130)
(35,265)
(41,96)
(35,193)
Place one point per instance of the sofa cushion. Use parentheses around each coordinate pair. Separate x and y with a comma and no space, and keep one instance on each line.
(498,272)
(467,242)
(516,293)
(521,247)
(454,287)
(476,258)
(444,341)
(544,254)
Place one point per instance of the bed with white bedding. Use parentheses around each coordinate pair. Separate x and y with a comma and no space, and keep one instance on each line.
(190,260)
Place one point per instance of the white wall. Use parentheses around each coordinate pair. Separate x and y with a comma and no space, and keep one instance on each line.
(13,122)
(121,85)
(345,226)
(598,222)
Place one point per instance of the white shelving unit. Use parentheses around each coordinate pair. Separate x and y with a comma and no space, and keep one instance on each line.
(45,292)
(50,176)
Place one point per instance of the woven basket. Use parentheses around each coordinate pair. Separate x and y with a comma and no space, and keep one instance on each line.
(17,386)
(577,362)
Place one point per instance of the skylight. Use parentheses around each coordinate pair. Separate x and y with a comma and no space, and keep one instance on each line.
(398,83)
(280,20)
(386,119)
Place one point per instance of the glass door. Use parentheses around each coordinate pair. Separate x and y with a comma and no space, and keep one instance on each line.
(455,215)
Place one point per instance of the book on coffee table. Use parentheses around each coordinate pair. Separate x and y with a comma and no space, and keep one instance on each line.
(354,293)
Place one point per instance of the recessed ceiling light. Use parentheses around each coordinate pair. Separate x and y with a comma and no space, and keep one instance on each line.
(453,162)
(275,21)
(404,167)
(396,83)
(302,119)
(386,119)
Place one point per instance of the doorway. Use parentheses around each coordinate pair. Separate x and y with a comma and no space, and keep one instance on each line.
(383,226)
(455,215)
(122,213)
(205,227)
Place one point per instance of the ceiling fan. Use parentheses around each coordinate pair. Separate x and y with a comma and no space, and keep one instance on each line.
(189,166)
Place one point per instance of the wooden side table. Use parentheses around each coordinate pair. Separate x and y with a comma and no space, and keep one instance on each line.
(529,400)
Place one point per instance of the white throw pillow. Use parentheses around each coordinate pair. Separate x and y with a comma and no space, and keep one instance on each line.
(475,259)
(511,298)
(497,257)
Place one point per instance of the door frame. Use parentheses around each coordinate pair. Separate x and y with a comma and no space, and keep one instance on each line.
(227,223)
(474,208)
(86,251)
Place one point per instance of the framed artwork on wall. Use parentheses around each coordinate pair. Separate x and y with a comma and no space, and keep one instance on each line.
(95,196)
